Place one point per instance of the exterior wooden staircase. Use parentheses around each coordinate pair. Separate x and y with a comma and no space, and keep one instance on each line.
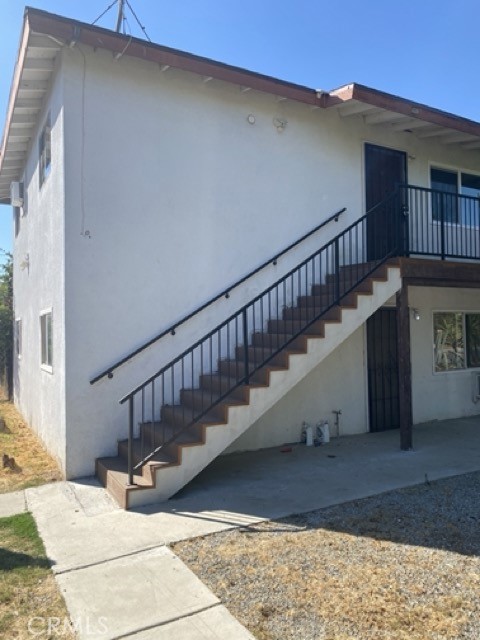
(181,443)
(210,394)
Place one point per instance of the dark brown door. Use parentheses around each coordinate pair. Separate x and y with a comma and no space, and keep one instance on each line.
(383,370)
(384,170)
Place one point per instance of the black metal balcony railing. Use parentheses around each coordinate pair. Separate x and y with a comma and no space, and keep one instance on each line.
(164,408)
(440,223)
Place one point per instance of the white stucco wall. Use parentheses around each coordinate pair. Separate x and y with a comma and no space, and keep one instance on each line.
(438,396)
(171,195)
(182,197)
(38,393)
(338,383)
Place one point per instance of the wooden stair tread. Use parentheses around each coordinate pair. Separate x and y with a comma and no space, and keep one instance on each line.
(237,363)
(200,399)
(167,431)
(117,472)
(178,414)
(225,382)
(160,459)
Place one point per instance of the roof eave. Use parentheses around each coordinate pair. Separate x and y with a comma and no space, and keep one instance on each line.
(67,32)
(22,50)
(390,102)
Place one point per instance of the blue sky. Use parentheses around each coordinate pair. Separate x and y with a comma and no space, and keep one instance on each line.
(425,50)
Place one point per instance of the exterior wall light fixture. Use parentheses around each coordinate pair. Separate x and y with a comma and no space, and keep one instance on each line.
(25,263)
(280,124)
(416,314)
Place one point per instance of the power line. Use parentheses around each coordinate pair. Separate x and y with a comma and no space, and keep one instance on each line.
(138,21)
(122,17)
(106,11)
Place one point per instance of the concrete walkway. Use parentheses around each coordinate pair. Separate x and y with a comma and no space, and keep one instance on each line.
(119,578)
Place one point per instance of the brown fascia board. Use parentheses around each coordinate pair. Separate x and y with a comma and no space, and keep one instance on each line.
(70,31)
(388,101)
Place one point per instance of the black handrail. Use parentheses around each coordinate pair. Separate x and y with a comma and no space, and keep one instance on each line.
(225,293)
(180,394)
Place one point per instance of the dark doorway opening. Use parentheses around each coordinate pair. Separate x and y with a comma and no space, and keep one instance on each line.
(382,356)
(384,170)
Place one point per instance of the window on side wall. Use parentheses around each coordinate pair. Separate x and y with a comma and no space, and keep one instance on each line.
(456,341)
(46,340)
(18,337)
(459,199)
(44,152)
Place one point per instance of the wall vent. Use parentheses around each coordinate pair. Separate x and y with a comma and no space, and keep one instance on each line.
(16,194)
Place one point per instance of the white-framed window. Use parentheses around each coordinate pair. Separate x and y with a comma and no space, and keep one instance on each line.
(45,152)
(459,200)
(456,340)
(18,337)
(46,355)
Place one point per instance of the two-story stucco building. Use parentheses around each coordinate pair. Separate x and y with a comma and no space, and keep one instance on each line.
(150,185)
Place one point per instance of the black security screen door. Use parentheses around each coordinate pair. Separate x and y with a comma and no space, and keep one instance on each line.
(383,370)
(384,170)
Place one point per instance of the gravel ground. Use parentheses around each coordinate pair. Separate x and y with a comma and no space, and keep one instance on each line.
(402,565)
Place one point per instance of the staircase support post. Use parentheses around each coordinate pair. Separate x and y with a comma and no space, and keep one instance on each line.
(404,369)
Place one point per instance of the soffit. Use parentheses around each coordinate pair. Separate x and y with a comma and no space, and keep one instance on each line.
(31,81)
(379,109)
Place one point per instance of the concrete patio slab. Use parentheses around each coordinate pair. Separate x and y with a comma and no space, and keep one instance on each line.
(216,623)
(133,593)
(243,489)
(11,504)
(348,468)
(113,564)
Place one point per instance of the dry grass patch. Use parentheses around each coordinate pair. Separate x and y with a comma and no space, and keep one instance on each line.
(29,595)
(401,566)
(33,465)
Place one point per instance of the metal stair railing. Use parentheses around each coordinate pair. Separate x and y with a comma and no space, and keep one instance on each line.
(167,406)
(108,373)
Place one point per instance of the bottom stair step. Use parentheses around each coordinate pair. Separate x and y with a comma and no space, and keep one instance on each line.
(113,473)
